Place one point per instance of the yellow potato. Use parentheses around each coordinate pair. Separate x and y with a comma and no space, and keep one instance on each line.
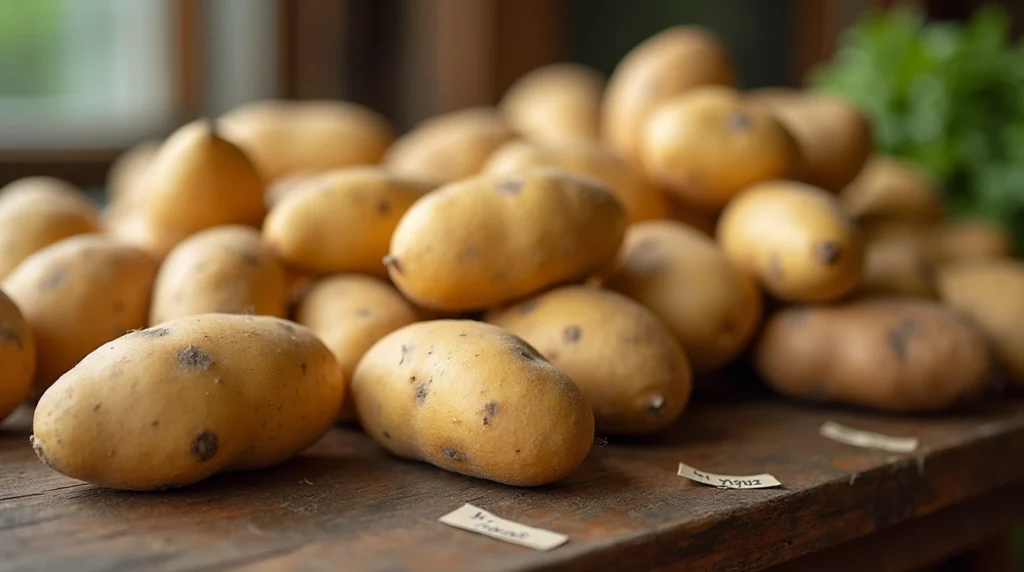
(39,187)
(892,188)
(557,103)
(795,239)
(174,404)
(287,184)
(17,357)
(682,276)
(127,175)
(487,240)
(474,399)
(341,222)
(628,365)
(226,270)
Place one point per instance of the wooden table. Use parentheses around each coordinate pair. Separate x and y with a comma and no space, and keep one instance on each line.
(345,505)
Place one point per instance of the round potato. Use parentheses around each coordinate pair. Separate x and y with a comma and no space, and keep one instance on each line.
(970,239)
(557,103)
(630,368)
(682,276)
(887,354)
(795,239)
(38,187)
(17,357)
(642,199)
(892,188)
(341,222)
(491,239)
(78,294)
(898,267)
(349,313)
(203,394)
(665,65)
(709,144)
(224,270)
(474,399)
(127,174)
(33,219)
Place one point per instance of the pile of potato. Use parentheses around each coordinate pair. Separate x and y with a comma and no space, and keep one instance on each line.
(488,290)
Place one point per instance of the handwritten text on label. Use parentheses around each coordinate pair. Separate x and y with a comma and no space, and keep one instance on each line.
(473,519)
(762,481)
(866,439)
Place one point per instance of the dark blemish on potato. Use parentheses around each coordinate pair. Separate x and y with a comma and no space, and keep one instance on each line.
(897,338)
(490,410)
(462,335)
(154,424)
(775,267)
(452,454)
(510,186)
(393,263)
(286,327)
(383,207)
(656,405)
(205,446)
(412,378)
(572,333)
(739,121)
(420,393)
(54,279)
(157,332)
(518,450)
(468,253)
(9,336)
(364,312)
(193,357)
(406,350)
(97,407)
(302,366)
(250,258)
(386,434)
(828,252)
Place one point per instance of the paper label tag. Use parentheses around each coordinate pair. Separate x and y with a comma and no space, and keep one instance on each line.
(866,439)
(478,520)
(762,481)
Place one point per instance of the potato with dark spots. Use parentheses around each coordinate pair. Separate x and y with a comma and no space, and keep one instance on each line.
(889,188)
(474,399)
(212,393)
(890,354)
(629,366)
(795,239)
(69,292)
(557,103)
(17,357)
(350,313)
(554,228)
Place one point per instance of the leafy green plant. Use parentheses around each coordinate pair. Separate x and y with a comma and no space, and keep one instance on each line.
(949,96)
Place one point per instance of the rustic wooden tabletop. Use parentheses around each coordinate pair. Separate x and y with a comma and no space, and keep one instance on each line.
(345,505)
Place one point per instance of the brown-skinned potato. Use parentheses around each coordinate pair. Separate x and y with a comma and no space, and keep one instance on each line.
(890,188)
(556,104)
(17,357)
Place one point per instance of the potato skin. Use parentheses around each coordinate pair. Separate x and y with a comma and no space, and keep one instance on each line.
(896,266)
(630,368)
(555,104)
(892,354)
(487,240)
(795,239)
(970,239)
(38,215)
(78,294)
(342,221)
(225,269)
(128,172)
(38,187)
(17,357)
(892,189)
(474,399)
(171,405)
(349,313)
(682,276)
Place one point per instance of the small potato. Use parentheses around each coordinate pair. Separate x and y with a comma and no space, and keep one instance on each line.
(557,103)
(32,218)
(350,313)
(795,239)
(887,354)
(174,404)
(892,188)
(487,240)
(682,276)
(642,199)
(630,368)
(341,222)
(226,270)
(78,294)
(474,399)
(127,175)
(970,239)
(17,357)
(448,147)
(898,267)
(709,144)
(663,66)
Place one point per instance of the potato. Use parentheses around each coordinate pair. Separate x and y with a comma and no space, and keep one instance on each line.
(795,239)
(696,217)
(708,144)
(127,174)
(17,357)
(224,270)
(834,137)
(557,103)
(889,354)
(286,137)
(78,294)
(897,266)
(172,405)
(663,66)
(991,293)
(642,199)
(970,239)
(39,187)
(892,188)
(286,184)
(350,313)
(682,276)
(630,368)
(474,399)
(33,217)
(342,222)
(487,240)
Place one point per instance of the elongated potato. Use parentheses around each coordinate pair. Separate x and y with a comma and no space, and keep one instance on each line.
(557,103)
(17,357)
(894,189)
(342,221)
(350,313)
(628,365)
(474,399)
(78,294)
(33,219)
(226,270)
(795,239)
(682,276)
(888,354)
(487,240)
(174,404)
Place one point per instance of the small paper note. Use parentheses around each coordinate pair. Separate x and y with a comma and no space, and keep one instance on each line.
(474,519)
(866,439)
(762,481)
